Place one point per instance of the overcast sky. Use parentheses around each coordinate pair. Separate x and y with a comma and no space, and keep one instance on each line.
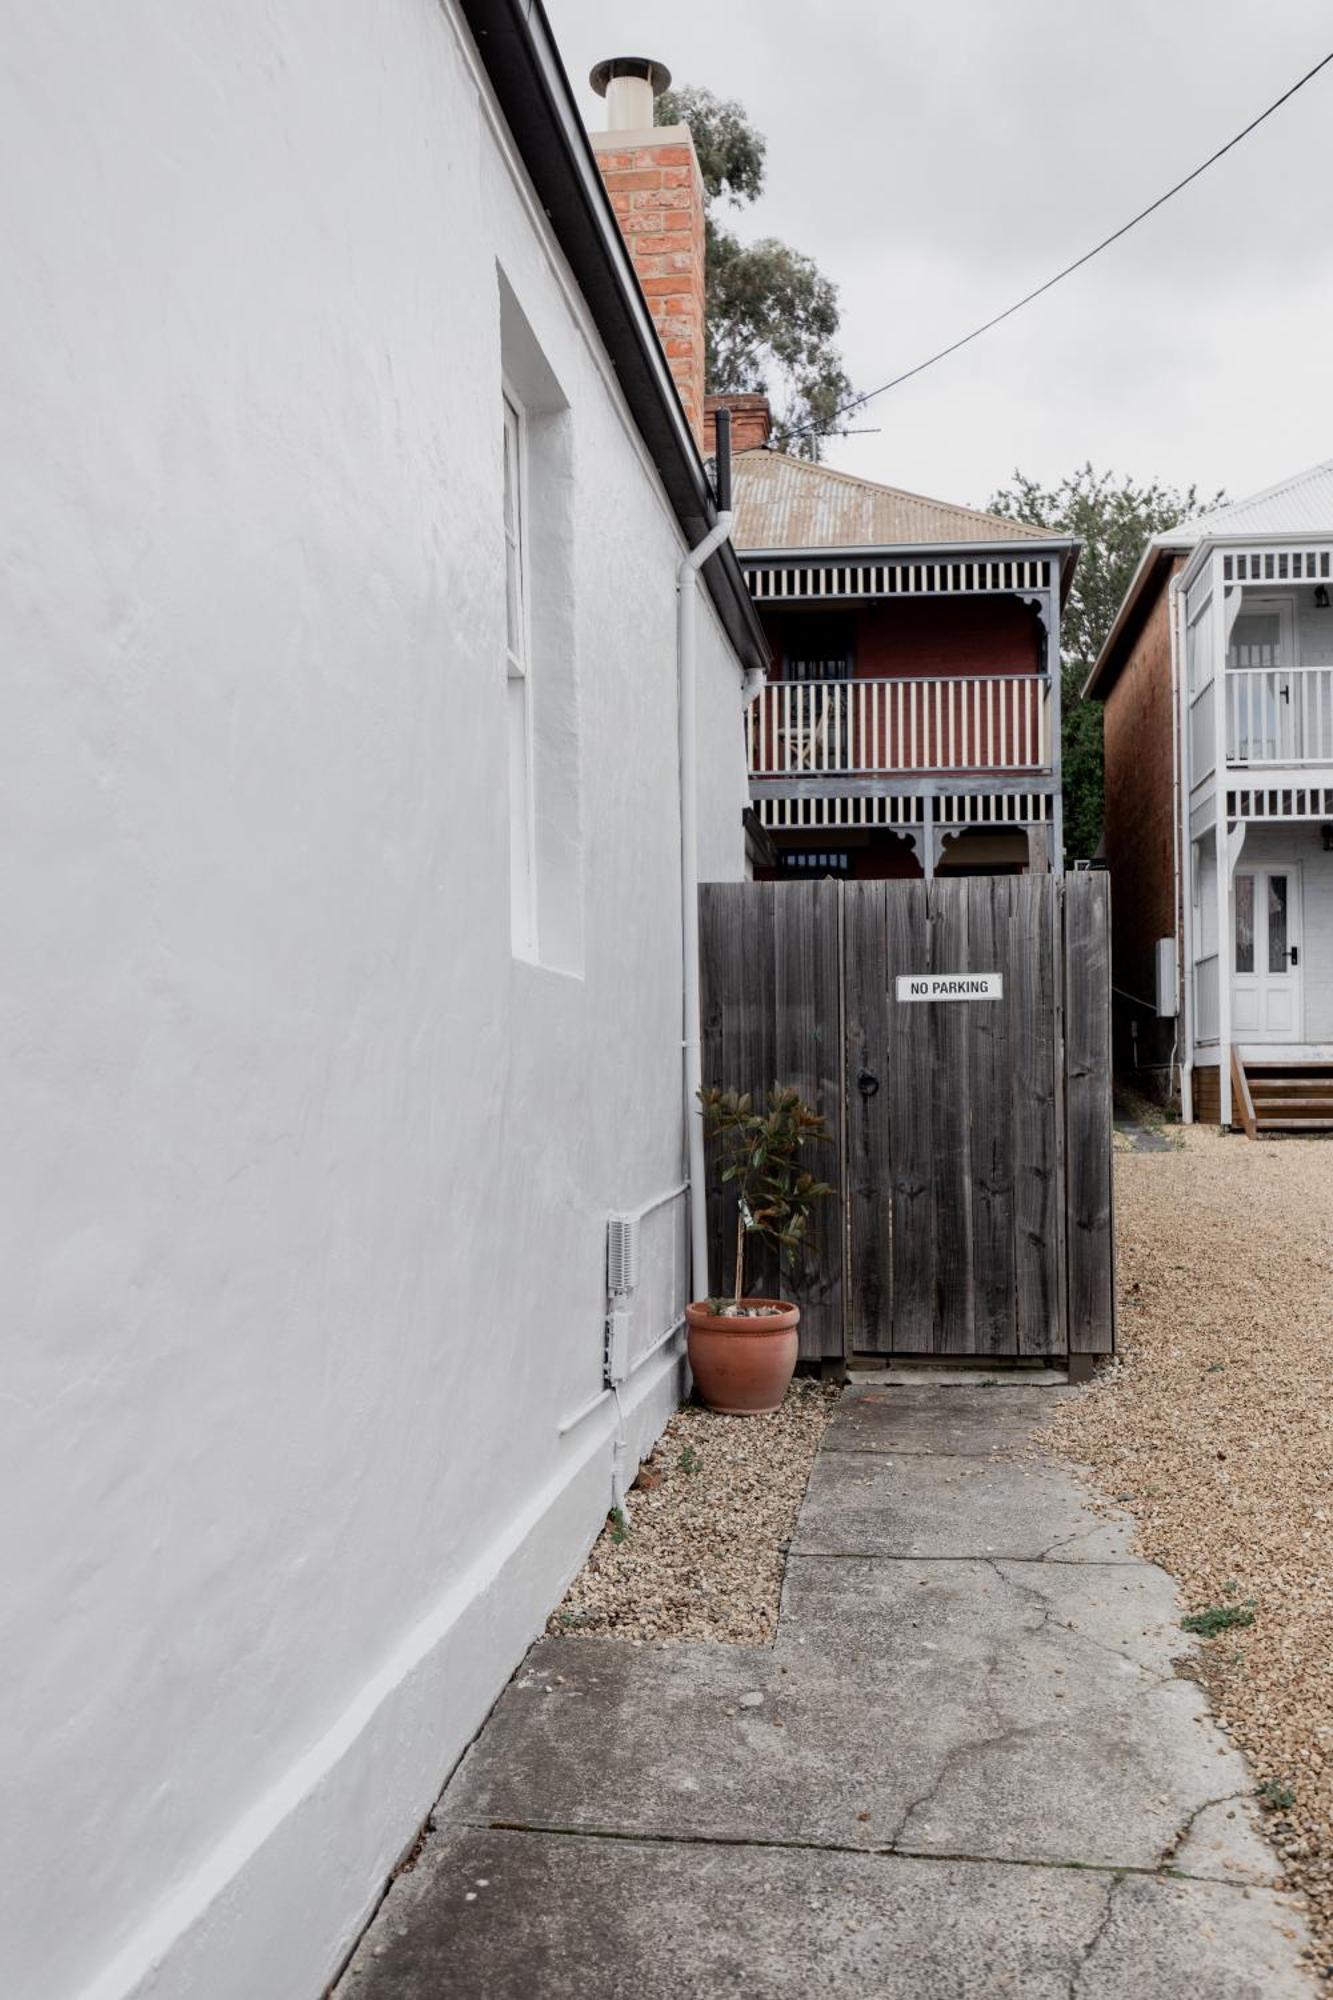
(938,161)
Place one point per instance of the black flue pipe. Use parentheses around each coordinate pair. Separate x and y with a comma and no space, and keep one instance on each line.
(723,422)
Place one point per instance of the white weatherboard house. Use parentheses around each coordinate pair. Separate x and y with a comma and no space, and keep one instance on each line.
(345,492)
(1248,594)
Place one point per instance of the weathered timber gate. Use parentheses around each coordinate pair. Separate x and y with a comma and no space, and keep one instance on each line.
(972,1144)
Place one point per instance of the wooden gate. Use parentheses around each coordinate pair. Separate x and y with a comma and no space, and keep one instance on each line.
(972,1135)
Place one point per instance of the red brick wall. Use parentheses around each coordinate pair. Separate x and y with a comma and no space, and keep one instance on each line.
(906,637)
(657,193)
(1137,830)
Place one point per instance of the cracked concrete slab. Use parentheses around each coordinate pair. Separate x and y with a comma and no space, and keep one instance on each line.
(937,1420)
(955,1714)
(967,1764)
(859,1503)
(966,1607)
(512,1914)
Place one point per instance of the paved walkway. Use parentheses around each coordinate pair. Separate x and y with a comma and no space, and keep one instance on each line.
(968,1766)
(1142,1138)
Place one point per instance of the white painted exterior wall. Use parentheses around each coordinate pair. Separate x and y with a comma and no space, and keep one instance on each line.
(308,1176)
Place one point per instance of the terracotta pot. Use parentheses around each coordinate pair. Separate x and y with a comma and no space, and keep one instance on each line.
(742,1365)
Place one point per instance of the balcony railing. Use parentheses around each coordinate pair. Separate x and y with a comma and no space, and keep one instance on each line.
(1279,715)
(868,728)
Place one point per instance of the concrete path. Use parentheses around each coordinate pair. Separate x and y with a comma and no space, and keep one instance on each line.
(1137,1137)
(968,1766)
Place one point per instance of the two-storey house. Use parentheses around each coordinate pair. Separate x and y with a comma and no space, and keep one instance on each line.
(1217,679)
(911,721)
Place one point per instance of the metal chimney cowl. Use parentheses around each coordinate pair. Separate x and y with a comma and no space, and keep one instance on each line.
(630,84)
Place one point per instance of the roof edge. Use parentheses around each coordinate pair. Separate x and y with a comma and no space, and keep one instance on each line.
(1249,538)
(815,468)
(1067,548)
(517,50)
(1159,553)
(1288,485)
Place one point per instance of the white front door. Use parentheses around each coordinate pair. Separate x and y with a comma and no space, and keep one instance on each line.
(1266,955)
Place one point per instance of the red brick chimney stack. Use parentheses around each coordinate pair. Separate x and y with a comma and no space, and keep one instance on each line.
(751,422)
(652,176)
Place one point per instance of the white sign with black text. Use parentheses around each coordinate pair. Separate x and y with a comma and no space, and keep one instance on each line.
(951,986)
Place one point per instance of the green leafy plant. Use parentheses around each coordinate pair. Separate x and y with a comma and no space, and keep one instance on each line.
(689,1458)
(1113,518)
(1218,1618)
(619,1525)
(1276,1795)
(760,1155)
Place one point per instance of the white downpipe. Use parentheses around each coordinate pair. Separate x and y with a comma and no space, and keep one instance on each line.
(1182,902)
(686,667)
(1226,851)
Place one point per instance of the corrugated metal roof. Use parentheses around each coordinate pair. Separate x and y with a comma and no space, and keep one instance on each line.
(787,503)
(1301,505)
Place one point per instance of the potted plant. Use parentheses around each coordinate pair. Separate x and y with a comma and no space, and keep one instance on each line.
(743,1350)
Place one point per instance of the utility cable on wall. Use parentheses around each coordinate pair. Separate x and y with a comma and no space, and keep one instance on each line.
(859,402)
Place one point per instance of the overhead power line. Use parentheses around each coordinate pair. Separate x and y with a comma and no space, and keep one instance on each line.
(859,402)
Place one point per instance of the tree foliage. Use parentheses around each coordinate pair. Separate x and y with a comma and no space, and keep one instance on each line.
(772,314)
(1113,518)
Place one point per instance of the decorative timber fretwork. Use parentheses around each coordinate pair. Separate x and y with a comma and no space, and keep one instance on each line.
(789,582)
(813,812)
(1276,565)
(1281,802)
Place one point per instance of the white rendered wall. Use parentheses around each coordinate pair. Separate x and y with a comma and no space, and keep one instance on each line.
(306,1176)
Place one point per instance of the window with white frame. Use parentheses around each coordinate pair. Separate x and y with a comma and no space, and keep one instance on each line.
(522,860)
(541,676)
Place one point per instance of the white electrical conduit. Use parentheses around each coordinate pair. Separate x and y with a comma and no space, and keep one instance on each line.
(687,670)
(595,1402)
(1180,859)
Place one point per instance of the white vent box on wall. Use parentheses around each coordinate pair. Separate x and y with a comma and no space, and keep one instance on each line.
(622,1253)
(1168,996)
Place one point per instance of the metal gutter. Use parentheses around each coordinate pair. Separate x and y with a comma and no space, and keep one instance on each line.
(519,55)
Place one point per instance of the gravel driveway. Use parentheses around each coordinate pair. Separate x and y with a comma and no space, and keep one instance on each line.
(1216,1431)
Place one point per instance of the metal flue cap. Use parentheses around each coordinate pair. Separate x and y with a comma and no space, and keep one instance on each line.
(655,73)
(629,84)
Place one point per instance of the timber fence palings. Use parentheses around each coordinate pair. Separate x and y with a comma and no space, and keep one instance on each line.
(972,1134)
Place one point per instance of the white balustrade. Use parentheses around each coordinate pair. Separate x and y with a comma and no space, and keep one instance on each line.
(1279,715)
(856,728)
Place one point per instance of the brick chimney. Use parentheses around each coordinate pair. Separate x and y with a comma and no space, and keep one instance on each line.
(652,176)
(751,422)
